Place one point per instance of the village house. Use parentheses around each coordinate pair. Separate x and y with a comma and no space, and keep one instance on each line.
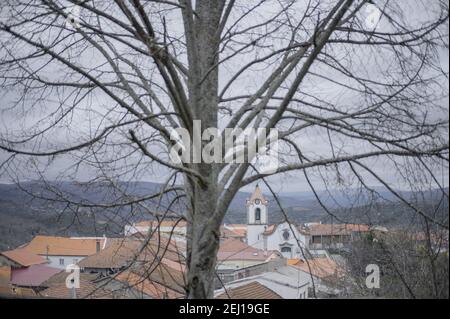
(123,252)
(227,275)
(60,252)
(331,236)
(323,274)
(286,281)
(326,274)
(237,231)
(234,254)
(23,272)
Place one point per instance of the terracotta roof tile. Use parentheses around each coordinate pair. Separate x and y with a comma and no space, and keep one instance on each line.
(6,289)
(252,290)
(234,249)
(121,252)
(88,289)
(32,276)
(236,226)
(237,233)
(147,286)
(318,267)
(24,257)
(63,246)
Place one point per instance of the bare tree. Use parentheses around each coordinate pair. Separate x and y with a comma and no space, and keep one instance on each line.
(107,86)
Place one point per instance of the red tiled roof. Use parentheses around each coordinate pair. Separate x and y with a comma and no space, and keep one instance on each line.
(146,286)
(234,249)
(23,257)
(120,252)
(32,276)
(319,267)
(87,290)
(237,233)
(252,290)
(63,246)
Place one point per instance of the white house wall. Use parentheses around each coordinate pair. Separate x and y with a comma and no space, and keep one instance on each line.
(54,261)
(255,236)
(275,240)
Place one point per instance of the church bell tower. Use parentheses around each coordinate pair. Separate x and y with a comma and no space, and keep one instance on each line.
(257,218)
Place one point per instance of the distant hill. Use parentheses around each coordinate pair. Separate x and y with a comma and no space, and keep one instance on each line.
(22,216)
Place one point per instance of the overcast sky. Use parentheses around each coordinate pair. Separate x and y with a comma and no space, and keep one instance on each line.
(83,123)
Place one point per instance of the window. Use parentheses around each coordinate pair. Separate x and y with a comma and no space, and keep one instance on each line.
(61,261)
(257,201)
(286,234)
(258,215)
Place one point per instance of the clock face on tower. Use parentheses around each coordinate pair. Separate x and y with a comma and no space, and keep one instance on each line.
(257,201)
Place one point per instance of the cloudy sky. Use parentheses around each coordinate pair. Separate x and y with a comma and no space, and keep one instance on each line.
(93,112)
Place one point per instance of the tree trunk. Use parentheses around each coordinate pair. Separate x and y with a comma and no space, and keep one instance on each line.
(203,38)
(203,244)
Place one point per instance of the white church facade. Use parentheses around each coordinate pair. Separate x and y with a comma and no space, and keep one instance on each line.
(284,237)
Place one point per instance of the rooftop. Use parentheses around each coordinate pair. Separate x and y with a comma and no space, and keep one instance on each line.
(63,246)
(238,233)
(32,276)
(149,287)
(24,257)
(121,252)
(88,289)
(252,290)
(234,249)
(318,267)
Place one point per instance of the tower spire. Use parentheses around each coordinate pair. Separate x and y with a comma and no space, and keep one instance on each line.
(257,195)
